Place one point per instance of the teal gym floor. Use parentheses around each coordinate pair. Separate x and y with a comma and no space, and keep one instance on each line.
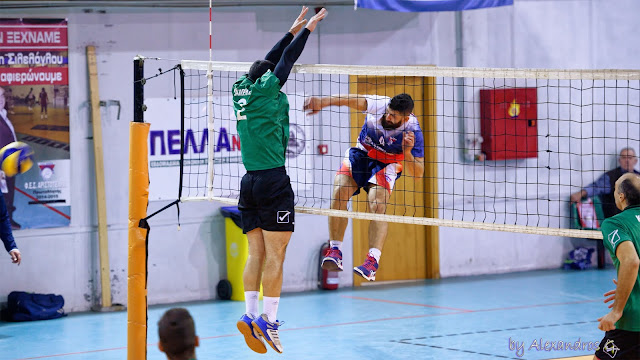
(508,316)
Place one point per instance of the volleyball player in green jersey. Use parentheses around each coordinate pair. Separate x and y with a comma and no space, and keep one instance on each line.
(266,197)
(622,238)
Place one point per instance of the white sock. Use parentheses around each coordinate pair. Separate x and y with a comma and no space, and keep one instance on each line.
(375,253)
(335,243)
(270,307)
(251,302)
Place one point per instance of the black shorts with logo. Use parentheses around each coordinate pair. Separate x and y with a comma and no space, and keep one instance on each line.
(619,344)
(266,200)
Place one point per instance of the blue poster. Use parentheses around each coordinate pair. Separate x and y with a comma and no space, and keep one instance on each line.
(429,5)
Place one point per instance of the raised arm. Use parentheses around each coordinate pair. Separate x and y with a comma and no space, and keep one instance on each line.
(293,51)
(276,53)
(314,104)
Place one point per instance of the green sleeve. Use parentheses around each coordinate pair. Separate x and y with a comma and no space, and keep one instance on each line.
(613,234)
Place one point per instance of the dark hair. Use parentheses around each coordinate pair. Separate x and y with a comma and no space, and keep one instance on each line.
(631,191)
(177,333)
(259,67)
(402,103)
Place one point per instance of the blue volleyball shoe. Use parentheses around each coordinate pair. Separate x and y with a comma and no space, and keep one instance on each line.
(368,269)
(251,337)
(268,331)
(332,260)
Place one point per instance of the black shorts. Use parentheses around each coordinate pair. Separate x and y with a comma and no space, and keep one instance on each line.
(266,200)
(619,344)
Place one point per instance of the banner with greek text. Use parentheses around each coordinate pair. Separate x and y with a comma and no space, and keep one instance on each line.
(34,109)
(164,150)
(429,5)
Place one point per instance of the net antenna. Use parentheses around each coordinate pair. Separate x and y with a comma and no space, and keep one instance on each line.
(210,30)
(210,129)
(584,117)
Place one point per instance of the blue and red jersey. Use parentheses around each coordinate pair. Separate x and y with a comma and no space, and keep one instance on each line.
(382,144)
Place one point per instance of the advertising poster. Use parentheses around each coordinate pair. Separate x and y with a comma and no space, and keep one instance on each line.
(164,150)
(34,109)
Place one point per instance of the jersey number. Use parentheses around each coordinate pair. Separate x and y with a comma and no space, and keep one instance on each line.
(242,103)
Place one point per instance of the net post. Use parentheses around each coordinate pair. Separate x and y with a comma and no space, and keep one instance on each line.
(181,130)
(137,235)
(138,89)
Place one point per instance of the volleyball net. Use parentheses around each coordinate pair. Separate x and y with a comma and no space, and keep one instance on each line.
(503,148)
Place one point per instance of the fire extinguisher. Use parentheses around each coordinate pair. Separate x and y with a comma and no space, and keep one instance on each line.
(327,280)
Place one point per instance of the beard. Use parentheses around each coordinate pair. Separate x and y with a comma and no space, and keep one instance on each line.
(387,125)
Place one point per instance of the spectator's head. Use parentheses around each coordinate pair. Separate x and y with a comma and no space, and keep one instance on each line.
(627,191)
(628,159)
(259,68)
(3,101)
(398,111)
(177,333)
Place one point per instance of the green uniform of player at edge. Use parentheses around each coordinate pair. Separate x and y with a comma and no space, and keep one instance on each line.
(621,236)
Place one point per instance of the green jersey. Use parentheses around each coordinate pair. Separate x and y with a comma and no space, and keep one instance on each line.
(262,112)
(616,230)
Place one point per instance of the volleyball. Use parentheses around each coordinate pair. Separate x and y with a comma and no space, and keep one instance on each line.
(17,158)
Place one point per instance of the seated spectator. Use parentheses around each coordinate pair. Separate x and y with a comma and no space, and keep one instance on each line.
(604,186)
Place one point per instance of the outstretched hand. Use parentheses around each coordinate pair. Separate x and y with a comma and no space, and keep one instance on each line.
(312,105)
(300,21)
(316,18)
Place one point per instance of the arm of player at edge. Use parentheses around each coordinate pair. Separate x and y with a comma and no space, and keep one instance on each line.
(6,234)
(627,275)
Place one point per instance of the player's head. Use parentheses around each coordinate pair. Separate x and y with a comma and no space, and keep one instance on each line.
(259,67)
(398,111)
(627,192)
(177,333)
(628,159)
